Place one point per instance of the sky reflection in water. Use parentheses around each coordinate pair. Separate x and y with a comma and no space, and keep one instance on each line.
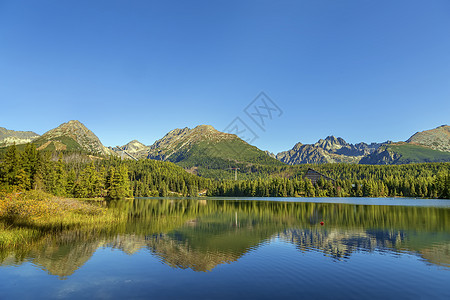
(220,248)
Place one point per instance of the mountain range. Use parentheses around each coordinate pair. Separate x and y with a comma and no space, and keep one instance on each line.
(10,137)
(329,150)
(206,149)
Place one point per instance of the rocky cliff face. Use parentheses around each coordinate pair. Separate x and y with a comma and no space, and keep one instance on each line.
(176,141)
(437,139)
(10,137)
(72,135)
(134,148)
(183,139)
(382,156)
(200,147)
(329,150)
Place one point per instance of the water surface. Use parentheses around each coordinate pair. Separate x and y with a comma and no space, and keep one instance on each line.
(244,248)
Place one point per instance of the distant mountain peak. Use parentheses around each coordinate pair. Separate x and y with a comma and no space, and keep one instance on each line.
(72,135)
(76,122)
(437,139)
(205,127)
(9,137)
(329,150)
(202,144)
(135,142)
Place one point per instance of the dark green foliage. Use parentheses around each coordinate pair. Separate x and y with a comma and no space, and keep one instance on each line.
(429,180)
(77,176)
(118,184)
(65,174)
(157,178)
(11,167)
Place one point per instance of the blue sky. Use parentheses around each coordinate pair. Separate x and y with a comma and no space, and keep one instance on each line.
(363,70)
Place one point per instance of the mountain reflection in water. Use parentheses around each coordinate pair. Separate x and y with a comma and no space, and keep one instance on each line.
(202,234)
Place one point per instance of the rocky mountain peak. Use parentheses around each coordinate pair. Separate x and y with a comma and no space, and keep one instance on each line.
(135,145)
(79,133)
(185,137)
(205,128)
(71,128)
(331,143)
(336,140)
(437,139)
(297,146)
(329,150)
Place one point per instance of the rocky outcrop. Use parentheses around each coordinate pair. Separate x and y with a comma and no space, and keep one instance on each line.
(382,156)
(329,150)
(183,139)
(175,142)
(437,139)
(72,135)
(133,149)
(9,137)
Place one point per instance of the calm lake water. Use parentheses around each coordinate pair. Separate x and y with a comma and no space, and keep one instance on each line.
(244,248)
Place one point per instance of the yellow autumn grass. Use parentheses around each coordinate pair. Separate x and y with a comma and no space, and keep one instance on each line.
(27,216)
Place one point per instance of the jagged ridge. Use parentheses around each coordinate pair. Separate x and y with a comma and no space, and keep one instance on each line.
(10,137)
(329,150)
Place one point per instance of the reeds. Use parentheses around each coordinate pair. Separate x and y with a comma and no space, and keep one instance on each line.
(29,216)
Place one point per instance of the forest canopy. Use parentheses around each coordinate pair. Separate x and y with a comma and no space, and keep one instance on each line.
(74,174)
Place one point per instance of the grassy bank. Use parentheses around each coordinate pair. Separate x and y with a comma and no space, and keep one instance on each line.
(29,216)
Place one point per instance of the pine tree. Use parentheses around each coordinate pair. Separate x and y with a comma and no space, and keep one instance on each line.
(60,178)
(118,183)
(11,166)
(30,163)
(71,180)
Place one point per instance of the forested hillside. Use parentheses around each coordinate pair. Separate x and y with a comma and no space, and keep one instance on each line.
(75,174)
(431,180)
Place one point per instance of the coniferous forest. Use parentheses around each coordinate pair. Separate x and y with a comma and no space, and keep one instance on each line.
(78,175)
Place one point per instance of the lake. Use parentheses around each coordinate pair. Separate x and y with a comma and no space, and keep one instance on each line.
(248,248)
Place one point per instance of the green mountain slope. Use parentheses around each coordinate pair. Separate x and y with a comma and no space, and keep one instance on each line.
(404,153)
(71,136)
(437,139)
(207,152)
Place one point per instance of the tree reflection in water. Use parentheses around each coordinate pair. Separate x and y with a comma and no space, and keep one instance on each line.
(201,234)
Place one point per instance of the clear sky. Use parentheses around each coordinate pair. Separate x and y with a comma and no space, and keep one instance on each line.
(362,70)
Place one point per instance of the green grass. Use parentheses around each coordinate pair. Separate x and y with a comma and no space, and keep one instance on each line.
(70,143)
(29,216)
(411,153)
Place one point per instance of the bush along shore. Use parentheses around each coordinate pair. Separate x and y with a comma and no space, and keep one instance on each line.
(29,216)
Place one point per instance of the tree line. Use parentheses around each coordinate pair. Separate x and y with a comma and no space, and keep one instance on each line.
(38,170)
(72,175)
